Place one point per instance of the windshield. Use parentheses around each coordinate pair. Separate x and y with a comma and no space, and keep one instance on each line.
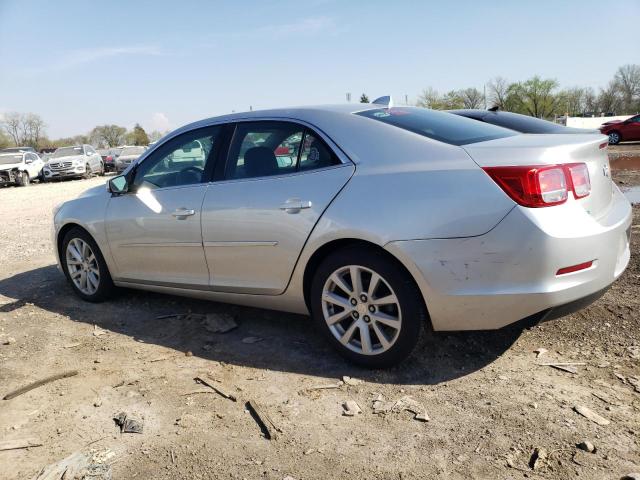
(10,158)
(67,152)
(132,151)
(441,126)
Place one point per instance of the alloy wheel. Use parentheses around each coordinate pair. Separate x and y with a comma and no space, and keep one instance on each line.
(614,138)
(82,266)
(361,310)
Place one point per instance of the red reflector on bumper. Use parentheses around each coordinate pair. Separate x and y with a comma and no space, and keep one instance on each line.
(574,268)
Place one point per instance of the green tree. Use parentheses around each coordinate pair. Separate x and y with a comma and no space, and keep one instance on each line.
(535,97)
(364,98)
(138,136)
(108,135)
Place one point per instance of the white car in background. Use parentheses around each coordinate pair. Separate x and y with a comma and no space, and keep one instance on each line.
(19,168)
(75,161)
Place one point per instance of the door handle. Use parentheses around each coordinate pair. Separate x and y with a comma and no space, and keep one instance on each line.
(294,205)
(183,213)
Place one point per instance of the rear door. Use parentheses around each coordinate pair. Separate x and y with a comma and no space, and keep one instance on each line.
(279,178)
(630,129)
(154,232)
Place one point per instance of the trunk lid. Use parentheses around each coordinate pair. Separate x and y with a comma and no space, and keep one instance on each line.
(554,149)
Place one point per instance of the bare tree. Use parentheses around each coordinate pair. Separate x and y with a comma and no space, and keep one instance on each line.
(25,129)
(471,98)
(12,124)
(609,98)
(430,98)
(571,101)
(498,92)
(627,81)
(33,127)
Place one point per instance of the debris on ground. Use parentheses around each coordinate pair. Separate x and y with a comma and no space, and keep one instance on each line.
(587,446)
(540,351)
(127,424)
(634,382)
(9,341)
(538,457)
(631,476)
(219,322)
(406,403)
(268,427)
(351,408)
(351,381)
(324,387)
(591,415)
(250,340)
(98,332)
(18,444)
(39,383)
(564,368)
(219,389)
(606,399)
(95,465)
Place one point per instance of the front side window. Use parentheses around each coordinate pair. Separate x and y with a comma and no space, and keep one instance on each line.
(441,126)
(181,161)
(262,149)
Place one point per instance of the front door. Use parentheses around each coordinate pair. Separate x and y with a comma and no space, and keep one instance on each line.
(279,178)
(154,232)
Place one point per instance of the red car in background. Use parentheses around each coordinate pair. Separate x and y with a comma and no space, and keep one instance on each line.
(622,130)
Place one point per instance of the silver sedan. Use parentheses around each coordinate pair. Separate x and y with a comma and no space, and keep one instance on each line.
(382,223)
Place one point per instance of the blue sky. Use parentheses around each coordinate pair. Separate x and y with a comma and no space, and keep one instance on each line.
(163,64)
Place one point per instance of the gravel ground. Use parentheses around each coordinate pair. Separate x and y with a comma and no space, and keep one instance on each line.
(489,401)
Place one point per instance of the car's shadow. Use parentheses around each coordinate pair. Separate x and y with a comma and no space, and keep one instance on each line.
(289,342)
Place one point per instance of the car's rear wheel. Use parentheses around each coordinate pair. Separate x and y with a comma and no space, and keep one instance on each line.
(87,171)
(368,307)
(614,138)
(84,266)
(23,179)
(101,172)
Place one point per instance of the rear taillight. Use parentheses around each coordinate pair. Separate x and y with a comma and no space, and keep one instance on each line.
(542,185)
(580,182)
(109,158)
(532,186)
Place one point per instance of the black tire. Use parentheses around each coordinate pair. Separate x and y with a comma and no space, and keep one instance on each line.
(87,171)
(616,138)
(101,171)
(23,179)
(414,313)
(106,289)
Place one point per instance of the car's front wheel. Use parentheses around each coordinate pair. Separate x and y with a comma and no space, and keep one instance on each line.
(84,266)
(23,179)
(614,138)
(368,307)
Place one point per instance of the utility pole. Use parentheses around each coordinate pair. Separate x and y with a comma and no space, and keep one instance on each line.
(406,99)
(348,97)
(484,94)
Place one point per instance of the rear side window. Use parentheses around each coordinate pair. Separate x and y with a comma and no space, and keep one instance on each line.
(441,126)
(267,148)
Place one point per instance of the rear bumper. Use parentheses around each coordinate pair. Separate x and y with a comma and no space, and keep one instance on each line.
(508,274)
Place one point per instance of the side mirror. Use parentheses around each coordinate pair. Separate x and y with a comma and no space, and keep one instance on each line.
(118,185)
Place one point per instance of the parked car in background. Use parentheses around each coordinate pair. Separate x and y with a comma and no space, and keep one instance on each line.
(18,149)
(519,123)
(622,130)
(74,161)
(386,222)
(19,168)
(127,156)
(109,156)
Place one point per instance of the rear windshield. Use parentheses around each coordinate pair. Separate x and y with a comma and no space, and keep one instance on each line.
(441,126)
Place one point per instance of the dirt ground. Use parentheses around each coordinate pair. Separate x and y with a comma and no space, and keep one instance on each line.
(489,400)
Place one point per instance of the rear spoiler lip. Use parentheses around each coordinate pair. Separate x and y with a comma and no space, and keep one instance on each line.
(535,149)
